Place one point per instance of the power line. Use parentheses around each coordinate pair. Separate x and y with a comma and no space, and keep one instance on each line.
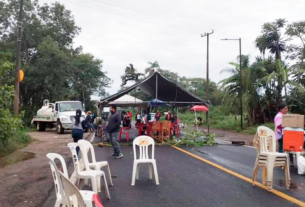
(125,14)
(146,20)
(226,63)
(194,25)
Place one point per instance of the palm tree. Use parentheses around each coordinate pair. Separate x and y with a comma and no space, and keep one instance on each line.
(271,38)
(152,67)
(231,85)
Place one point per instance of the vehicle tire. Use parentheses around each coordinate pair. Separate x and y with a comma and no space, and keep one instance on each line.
(59,128)
(41,126)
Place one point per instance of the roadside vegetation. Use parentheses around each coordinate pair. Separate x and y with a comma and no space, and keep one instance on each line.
(12,132)
(220,120)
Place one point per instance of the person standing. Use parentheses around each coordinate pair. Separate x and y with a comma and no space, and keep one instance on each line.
(169,116)
(113,129)
(158,116)
(148,116)
(138,118)
(278,119)
(129,113)
(126,121)
(144,118)
(77,129)
(89,121)
(97,125)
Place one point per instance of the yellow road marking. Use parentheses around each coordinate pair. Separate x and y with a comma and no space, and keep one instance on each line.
(276,192)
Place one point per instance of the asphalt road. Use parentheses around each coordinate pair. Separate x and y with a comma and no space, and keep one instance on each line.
(241,159)
(188,182)
(184,181)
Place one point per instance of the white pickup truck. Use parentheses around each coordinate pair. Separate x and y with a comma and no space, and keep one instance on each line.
(57,114)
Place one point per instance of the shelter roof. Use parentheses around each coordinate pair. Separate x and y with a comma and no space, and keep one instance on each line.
(127,100)
(159,87)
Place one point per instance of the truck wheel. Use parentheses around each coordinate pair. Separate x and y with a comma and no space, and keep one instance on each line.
(41,126)
(59,128)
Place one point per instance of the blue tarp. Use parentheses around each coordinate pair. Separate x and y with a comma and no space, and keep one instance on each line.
(156,102)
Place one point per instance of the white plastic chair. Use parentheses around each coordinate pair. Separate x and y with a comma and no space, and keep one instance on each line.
(94,175)
(265,144)
(61,198)
(74,197)
(144,142)
(87,147)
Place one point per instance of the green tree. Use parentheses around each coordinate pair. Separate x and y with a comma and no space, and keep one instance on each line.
(53,69)
(271,38)
(10,126)
(131,74)
(88,78)
(153,66)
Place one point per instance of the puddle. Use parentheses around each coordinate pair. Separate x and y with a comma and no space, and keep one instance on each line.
(15,157)
(292,185)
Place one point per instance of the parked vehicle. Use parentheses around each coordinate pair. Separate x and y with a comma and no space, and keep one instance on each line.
(105,113)
(57,114)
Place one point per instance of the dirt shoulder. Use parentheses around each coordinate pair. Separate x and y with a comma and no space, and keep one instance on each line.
(28,183)
(233,136)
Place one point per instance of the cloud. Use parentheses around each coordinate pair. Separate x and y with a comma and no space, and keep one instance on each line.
(121,36)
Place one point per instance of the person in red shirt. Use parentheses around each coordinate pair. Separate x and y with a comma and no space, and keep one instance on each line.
(129,113)
(169,116)
(158,116)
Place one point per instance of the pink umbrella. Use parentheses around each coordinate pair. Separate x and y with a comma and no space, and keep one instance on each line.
(199,108)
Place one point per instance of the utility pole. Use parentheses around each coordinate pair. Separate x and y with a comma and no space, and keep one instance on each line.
(207,77)
(241,87)
(241,83)
(84,101)
(16,97)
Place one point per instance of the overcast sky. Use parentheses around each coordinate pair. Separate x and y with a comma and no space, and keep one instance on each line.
(120,32)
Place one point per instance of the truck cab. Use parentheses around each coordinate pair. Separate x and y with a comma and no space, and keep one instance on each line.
(64,112)
(60,113)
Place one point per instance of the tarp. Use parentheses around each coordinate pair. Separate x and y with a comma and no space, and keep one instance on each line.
(160,88)
(156,102)
(127,100)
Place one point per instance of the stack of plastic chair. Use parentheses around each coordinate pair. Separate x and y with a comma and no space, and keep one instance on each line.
(125,131)
(166,129)
(73,195)
(94,175)
(143,142)
(61,199)
(87,147)
(142,128)
(268,158)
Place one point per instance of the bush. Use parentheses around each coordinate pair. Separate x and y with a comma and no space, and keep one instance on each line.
(220,120)
(195,138)
(11,128)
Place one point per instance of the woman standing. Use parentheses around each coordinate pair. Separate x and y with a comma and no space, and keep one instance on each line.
(278,119)
(158,116)
(77,129)
(138,118)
